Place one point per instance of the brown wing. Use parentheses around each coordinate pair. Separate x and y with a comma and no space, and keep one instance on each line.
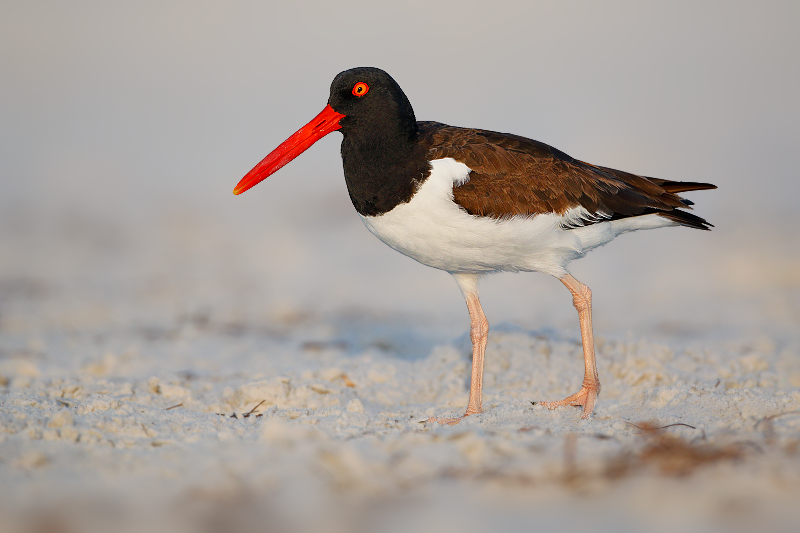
(512,175)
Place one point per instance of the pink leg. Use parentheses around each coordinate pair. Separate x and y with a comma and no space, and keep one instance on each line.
(587,396)
(479,334)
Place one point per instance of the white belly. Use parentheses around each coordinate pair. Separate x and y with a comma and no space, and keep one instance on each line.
(435,231)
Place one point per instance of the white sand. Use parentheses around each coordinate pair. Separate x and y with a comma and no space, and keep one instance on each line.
(93,360)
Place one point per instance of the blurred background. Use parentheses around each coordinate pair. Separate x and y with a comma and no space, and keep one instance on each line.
(125,127)
(133,280)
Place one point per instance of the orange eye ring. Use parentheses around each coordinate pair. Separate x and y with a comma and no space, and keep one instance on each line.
(360,89)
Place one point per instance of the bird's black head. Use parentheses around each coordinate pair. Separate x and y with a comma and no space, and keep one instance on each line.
(370,99)
(377,122)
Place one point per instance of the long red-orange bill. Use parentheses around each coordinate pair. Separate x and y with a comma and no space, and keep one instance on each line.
(320,126)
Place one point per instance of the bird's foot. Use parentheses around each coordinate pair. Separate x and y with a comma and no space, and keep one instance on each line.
(585,398)
(453,421)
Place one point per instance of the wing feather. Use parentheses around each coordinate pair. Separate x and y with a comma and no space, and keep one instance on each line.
(512,176)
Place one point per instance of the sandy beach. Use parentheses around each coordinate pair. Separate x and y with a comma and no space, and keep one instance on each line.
(174,358)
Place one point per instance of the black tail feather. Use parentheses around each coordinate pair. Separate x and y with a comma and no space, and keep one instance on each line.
(676,187)
(686,219)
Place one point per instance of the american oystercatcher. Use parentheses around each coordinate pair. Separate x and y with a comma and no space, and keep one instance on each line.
(472,202)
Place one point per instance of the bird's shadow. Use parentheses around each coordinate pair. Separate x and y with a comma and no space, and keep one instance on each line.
(411,340)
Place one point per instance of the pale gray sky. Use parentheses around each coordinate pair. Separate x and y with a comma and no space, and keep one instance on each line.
(121,112)
(175,100)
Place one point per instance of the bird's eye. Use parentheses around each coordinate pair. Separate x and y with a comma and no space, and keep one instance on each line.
(360,89)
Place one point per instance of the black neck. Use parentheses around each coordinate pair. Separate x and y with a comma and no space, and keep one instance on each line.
(384,163)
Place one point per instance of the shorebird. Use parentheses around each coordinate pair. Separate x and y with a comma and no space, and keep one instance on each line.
(473,202)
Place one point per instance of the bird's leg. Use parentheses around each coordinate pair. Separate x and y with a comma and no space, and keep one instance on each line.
(479,334)
(587,396)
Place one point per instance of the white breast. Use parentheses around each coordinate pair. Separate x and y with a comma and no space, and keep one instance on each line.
(435,231)
(432,229)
